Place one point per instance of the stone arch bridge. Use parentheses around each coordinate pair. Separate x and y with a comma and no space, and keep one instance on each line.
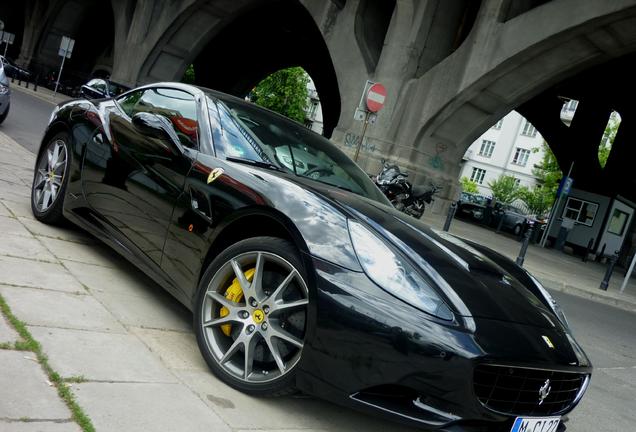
(451,67)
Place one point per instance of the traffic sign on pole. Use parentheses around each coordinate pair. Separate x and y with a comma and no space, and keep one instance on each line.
(376,96)
(66,49)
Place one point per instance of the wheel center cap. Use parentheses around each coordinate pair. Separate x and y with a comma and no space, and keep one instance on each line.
(258,316)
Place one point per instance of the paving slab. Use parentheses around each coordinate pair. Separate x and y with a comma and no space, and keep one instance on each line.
(36,274)
(135,407)
(70,233)
(124,279)
(12,226)
(100,356)
(20,208)
(278,413)
(39,426)
(24,247)
(58,309)
(177,350)
(7,333)
(159,311)
(97,254)
(26,392)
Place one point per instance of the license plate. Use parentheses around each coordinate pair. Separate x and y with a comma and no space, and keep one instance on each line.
(536,424)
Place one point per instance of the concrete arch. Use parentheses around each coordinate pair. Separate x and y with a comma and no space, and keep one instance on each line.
(494,81)
(234,49)
(89,22)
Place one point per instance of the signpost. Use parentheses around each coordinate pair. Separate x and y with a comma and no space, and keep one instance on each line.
(372,101)
(564,190)
(66,49)
(8,39)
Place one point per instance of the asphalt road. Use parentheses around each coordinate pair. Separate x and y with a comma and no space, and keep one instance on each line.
(27,119)
(607,334)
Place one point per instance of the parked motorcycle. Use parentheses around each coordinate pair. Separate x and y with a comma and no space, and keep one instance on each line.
(404,197)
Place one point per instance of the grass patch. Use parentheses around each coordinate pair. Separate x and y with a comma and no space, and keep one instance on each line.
(63,390)
(76,379)
(6,346)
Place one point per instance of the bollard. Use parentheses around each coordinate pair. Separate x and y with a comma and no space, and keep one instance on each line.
(524,245)
(35,83)
(451,214)
(19,81)
(26,83)
(588,249)
(13,78)
(608,273)
(501,221)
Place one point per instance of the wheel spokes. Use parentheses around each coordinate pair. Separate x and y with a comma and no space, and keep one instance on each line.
(279,307)
(286,336)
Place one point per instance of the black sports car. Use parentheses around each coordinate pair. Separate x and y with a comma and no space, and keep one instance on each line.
(299,273)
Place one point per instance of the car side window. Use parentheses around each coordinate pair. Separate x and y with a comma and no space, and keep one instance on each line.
(177,106)
(99,85)
(129,102)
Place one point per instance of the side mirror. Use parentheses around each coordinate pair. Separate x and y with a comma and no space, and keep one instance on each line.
(156,126)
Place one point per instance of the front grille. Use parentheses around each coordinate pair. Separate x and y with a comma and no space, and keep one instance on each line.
(517,391)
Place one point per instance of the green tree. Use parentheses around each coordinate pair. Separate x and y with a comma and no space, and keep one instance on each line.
(285,92)
(505,189)
(468,185)
(188,76)
(548,172)
(539,199)
(609,135)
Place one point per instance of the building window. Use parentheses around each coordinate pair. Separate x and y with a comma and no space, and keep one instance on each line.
(570,105)
(517,182)
(498,124)
(487,147)
(581,211)
(521,157)
(529,130)
(478,175)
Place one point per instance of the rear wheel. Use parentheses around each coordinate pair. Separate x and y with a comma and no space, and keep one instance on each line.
(49,181)
(517,230)
(251,316)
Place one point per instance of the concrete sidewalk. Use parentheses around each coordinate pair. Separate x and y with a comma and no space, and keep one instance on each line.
(125,348)
(41,92)
(556,270)
(120,343)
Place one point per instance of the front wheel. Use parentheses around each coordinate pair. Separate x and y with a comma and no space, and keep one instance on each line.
(50,179)
(250,316)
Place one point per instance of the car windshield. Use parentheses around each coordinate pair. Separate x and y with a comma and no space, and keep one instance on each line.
(251,133)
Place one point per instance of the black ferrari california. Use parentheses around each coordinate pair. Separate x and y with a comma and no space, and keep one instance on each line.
(299,273)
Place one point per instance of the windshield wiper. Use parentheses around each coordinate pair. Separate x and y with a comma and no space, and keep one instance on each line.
(255,163)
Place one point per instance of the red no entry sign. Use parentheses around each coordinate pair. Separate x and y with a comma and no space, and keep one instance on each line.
(375,97)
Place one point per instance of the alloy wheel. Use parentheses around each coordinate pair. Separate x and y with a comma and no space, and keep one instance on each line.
(49,176)
(257,336)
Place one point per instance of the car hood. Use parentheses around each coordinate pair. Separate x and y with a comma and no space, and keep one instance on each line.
(473,282)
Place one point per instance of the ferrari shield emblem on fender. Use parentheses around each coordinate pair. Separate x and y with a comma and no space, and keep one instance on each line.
(215,174)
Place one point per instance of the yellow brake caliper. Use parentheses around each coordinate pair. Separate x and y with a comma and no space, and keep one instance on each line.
(234,293)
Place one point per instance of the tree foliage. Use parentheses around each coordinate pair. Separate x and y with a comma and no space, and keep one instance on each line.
(548,172)
(608,138)
(505,189)
(468,185)
(285,92)
(539,199)
(188,76)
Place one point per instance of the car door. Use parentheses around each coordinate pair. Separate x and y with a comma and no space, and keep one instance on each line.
(134,180)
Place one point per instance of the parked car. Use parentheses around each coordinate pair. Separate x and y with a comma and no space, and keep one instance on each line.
(14,71)
(514,219)
(307,282)
(472,206)
(5,95)
(100,88)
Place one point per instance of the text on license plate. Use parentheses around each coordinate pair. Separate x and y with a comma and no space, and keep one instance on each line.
(536,424)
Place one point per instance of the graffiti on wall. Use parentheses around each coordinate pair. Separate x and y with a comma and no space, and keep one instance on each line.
(436,161)
(352,140)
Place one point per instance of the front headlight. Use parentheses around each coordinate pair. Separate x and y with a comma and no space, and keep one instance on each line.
(3,89)
(394,274)
(556,308)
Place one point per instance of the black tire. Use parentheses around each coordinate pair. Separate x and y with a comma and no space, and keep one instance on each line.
(5,114)
(517,230)
(52,215)
(284,384)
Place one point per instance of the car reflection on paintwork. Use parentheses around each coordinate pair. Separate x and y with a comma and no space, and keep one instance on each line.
(5,94)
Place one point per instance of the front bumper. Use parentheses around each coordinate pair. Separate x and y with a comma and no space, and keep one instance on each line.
(4,102)
(370,351)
